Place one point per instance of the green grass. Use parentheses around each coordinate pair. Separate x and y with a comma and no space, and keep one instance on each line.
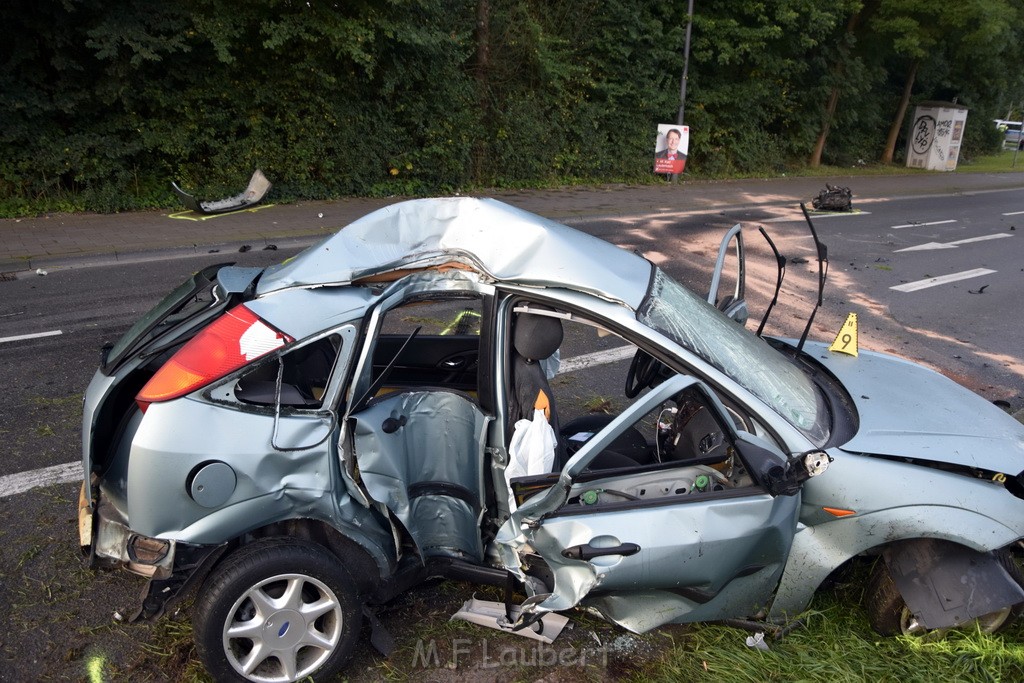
(599,404)
(1001,162)
(836,645)
(994,163)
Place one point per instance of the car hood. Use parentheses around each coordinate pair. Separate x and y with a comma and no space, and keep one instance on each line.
(909,411)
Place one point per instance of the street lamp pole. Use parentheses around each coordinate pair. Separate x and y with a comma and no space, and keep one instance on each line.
(686,68)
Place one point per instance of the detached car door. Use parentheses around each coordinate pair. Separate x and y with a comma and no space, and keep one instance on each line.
(694,537)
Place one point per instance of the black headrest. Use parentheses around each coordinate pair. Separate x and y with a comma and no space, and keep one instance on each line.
(537,336)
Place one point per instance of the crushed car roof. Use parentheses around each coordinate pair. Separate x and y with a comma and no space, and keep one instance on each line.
(500,241)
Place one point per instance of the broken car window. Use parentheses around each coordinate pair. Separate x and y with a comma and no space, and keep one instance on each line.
(304,373)
(684,317)
(443,354)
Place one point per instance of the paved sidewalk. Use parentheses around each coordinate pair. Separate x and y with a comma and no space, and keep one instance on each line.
(65,239)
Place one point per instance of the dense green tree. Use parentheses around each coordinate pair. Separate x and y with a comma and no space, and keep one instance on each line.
(102,102)
(756,71)
(942,35)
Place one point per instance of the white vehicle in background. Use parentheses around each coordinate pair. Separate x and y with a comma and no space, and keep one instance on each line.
(1012,133)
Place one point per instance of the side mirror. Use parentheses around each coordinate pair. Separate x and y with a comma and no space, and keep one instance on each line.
(780,476)
(732,305)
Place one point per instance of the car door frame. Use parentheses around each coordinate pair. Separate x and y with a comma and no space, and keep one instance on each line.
(411,287)
(523,530)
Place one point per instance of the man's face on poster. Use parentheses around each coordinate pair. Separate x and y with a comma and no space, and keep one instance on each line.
(672,138)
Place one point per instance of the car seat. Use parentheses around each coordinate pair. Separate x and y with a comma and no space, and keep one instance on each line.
(535,338)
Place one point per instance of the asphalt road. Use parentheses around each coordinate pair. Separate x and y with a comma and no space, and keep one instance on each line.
(968,328)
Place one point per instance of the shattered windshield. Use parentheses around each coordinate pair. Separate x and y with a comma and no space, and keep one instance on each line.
(684,317)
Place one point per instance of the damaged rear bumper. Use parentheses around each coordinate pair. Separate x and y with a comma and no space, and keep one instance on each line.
(172,567)
(108,542)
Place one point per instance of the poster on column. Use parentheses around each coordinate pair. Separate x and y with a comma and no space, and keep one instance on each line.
(671,147)
(935,136)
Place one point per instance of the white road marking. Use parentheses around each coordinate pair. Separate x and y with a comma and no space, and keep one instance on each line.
(918,225)
(37,335)
(590,360)
(942,280)
(799,218)
(1013,213)
(953,245)
(838,214)
(13,484)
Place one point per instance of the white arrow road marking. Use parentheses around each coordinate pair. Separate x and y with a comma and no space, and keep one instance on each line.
(942,280)
(954,245)
(21,337)
(918,225)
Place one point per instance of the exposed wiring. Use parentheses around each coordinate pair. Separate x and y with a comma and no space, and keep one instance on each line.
(663,425)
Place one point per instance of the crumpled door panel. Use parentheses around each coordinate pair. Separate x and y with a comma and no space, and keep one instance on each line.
(420,453)
(682,557)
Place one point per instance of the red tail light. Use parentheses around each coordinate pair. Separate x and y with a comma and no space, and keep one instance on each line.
(236,338)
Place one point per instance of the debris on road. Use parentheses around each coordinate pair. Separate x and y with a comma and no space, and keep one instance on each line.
(833,198)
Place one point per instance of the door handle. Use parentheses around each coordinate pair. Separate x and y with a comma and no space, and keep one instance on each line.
(588,552)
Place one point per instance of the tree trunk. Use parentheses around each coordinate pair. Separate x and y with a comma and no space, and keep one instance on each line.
(901,112)
(830,110)
(833,98)
(482,64)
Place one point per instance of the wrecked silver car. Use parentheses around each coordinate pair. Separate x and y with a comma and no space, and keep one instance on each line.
(414,397)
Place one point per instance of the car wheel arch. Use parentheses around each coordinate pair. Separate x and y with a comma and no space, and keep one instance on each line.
(819,550)
(368,564)
(929,568)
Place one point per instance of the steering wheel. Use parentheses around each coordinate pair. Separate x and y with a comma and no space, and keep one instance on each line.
(642,371)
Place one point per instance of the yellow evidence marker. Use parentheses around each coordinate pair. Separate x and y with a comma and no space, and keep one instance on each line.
(846,340)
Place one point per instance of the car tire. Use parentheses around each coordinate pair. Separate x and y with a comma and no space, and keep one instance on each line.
(889,616)
(277,610)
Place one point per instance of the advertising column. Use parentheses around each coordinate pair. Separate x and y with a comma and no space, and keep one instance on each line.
(935,137)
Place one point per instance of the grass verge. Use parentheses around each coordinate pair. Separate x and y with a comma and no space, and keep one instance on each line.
(836,645)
